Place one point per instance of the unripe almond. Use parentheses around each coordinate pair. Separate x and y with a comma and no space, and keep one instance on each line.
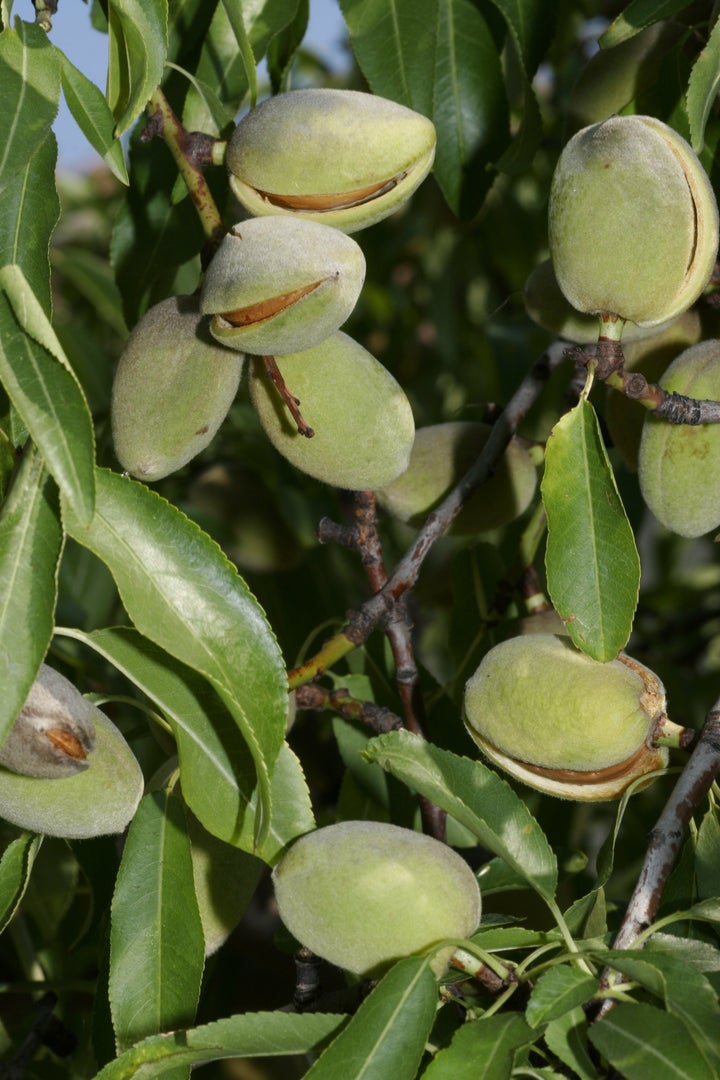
(99,800)
(54,732)
(362,420)
(564,723)
(173,388)
(279,285)
(340,156)
(679,464)
(363,894)
(633,221)
(440,456)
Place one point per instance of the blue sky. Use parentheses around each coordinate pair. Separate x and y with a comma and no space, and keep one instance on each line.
(87,49)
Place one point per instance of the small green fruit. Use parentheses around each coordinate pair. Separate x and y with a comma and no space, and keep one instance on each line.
(679,464)
(341,156)
(649,357)
(633,221)
(279,285)
(440,456)
(54,732)
(172,390)
(99,800)
(362,420)
(363,894)
(563,723)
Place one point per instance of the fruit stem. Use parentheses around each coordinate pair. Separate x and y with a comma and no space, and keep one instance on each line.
(292,403)
(163,121)
(676,736)
(611,326)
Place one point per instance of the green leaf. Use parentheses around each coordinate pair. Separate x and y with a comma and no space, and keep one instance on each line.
(397,45)
(707,855)
(642,1041)
(496,876)
(93,116)
(223,65)
(216,770)
(477,798)
(29,210)
(30,93)
(251,1035)
(685,992)
(470,109)
(559,991)
(482,1047)
(703,88)
(593,568)
(15,866)
(157,947)
(137,48)
(182,593)
(386,1037)
(566,1036)
(46,394)
(531,23)
(30,546)
(636,16)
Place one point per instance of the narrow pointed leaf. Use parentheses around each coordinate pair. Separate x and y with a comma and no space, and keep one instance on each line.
(29,210)
(266,1034)
(93,116)
(477,798)
(593,568)
(531,23)
(636,16)
(182,593)
(15,866)
(216,770)
(387,1035)
(559,991)
(30,546)
(567,1038)
(30,94)
(39,382)
(137,48)
(484,1048)
(641,1041)
(703,88)
(157,947)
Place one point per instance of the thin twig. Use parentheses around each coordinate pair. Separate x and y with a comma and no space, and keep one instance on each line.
(666,839)
(377,717)
(377,608)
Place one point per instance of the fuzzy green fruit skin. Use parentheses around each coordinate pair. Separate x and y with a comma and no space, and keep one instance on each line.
(363,422)
(650,357)
(173,388)
(679,465)
(53,705)
(96,802)
(363,894)
(440,456)
(265,259)
(633,221)
(535,701)
(329,143)
(548,307)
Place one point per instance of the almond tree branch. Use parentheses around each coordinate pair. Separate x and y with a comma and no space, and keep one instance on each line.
(189,152)
(369,615)
(666,404)
(666,839)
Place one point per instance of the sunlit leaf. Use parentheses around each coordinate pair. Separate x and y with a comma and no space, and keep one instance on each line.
(593,568)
